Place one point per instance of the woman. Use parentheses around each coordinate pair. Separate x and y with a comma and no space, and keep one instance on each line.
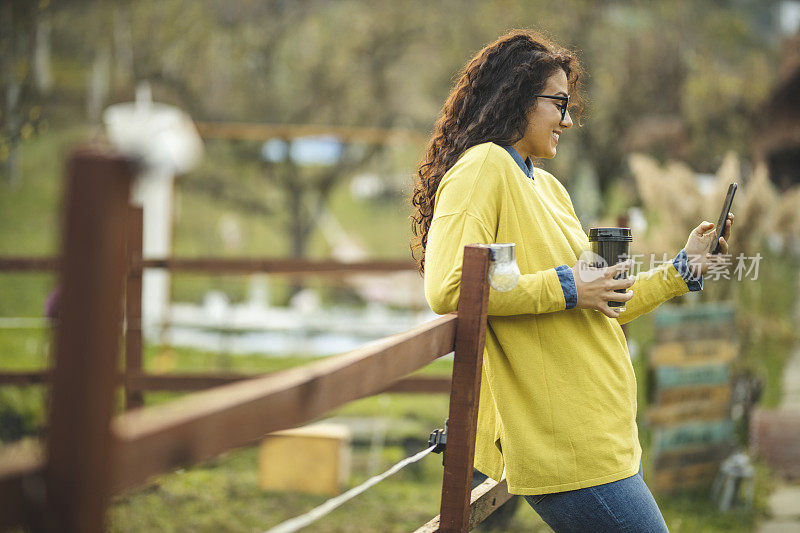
(558,403)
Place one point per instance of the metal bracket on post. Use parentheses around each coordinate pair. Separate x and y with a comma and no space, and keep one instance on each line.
(438,438)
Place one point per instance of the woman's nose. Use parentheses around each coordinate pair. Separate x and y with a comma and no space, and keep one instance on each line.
(567,121)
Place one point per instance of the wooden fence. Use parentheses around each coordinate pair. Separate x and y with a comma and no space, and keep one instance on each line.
(92,454)
(134,378)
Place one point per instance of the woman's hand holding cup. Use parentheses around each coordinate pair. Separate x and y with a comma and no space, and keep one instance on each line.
(596,286)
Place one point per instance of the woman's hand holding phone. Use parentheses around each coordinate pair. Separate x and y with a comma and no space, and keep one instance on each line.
(700,243)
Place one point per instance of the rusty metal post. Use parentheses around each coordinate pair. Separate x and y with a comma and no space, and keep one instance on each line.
(134,397)
(92,275)
(459,455)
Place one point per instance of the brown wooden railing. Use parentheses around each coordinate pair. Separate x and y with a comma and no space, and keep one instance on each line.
(92,454)
(135,380)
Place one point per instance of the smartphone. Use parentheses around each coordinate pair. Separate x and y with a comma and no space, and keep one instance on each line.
(723,217)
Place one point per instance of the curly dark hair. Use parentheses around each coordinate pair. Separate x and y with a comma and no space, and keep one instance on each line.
(489,103)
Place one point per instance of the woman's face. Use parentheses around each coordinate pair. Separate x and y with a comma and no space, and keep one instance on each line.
(544,121)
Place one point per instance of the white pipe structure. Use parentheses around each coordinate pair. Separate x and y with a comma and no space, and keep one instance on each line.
(164,139)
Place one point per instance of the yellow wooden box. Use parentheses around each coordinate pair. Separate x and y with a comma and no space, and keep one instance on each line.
(312,459)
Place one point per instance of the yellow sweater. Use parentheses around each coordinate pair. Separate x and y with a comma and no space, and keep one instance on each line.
(558,395)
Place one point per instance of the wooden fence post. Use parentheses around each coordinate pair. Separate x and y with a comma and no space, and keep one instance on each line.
(134,397)
(92,275)
(459,454)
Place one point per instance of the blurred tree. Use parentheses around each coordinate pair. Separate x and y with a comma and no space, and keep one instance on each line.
(317,63)
(24,39)
(350,83)
(674,79)
(677,80)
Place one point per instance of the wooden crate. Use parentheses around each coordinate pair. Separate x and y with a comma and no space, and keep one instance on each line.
(693,352)
(682,324)
(692,455)
(707,393)
(690,393)
(679,315)
(312,459)
(712,433)
(667,377)
(676,413)
(684,477)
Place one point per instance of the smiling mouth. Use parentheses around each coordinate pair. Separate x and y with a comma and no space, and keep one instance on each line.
(556,135)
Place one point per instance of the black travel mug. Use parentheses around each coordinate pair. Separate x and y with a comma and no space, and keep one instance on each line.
(611,246)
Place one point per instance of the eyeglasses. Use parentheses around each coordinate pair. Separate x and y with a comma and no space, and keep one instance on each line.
(561,107)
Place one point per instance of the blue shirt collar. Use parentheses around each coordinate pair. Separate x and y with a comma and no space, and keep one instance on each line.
(526,166)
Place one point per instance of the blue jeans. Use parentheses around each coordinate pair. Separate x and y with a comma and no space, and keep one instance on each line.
(624,505)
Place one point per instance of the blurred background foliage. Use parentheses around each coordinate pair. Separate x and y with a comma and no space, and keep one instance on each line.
(685,81)
(679,79)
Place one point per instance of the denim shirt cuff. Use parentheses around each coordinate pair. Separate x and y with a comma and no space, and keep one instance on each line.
(567,280)
(681,263)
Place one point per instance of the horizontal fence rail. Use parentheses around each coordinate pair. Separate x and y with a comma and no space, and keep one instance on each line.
(152,441)
(21,481)
(485,499)
(25,377)
(22,469)
(264,132)
(195,381)
(294,267)
(192,382)
(28,264)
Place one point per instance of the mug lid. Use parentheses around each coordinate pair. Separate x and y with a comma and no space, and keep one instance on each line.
(610,234)
(502,252)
